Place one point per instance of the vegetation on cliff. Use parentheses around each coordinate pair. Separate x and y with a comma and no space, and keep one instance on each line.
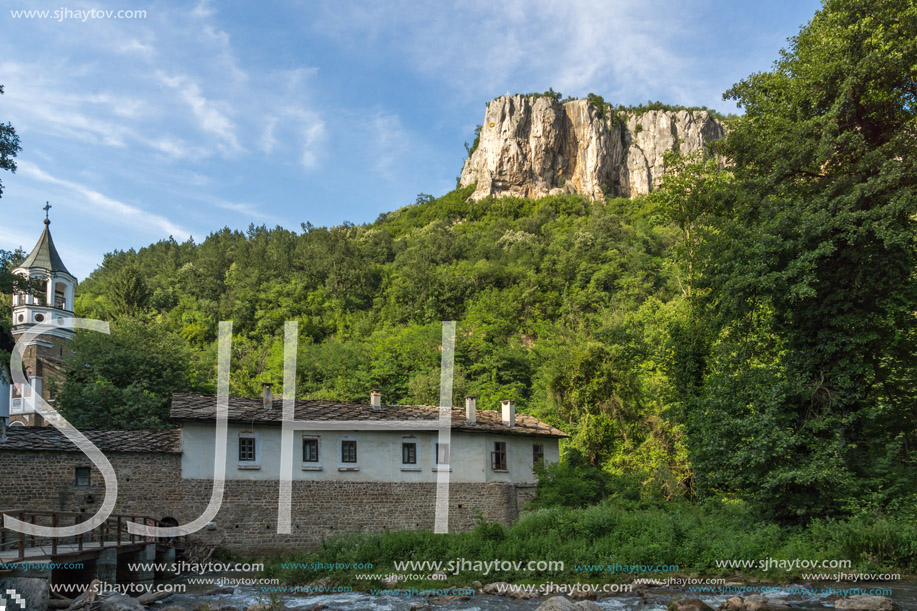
(746,333)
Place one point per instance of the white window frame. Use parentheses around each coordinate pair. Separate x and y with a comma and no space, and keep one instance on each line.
(348,466)
(415,466)
(437,466)
(249,465)
(311,466)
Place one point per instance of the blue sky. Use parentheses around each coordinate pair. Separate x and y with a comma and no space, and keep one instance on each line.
(206,115)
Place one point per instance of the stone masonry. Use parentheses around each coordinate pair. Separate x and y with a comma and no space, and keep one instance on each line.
(150,484)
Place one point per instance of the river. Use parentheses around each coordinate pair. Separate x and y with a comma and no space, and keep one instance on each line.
(655,599)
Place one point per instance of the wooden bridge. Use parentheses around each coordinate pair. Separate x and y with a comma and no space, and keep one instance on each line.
(108,553)
(18,547)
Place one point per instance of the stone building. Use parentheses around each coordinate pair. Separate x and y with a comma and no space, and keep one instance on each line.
(355,467)
(351,471)
(50,303)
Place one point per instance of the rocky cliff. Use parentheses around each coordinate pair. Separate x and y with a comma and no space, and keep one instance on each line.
(536,146)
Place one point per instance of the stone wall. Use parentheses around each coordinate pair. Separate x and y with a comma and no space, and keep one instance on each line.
(151,485)
(525,493)
(43,360)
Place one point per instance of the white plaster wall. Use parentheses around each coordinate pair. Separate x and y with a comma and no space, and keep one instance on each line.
(378,455)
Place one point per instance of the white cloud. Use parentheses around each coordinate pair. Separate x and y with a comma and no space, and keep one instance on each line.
(615,48)
(248,209)
(102,205)
(268,141)
(312,135)
(12,237)
(390,143)
(178,149)
(135,46)
(203,10)
(211,116)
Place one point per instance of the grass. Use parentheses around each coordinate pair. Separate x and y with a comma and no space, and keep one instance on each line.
(692,536)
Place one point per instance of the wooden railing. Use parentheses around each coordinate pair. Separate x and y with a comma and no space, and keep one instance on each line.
(111,533)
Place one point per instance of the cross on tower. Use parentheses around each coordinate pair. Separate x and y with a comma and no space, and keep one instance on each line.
(46,208)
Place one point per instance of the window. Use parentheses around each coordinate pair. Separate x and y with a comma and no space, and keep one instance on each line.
(310,450)
(247,448)
(409,453)
(348,451)
(537,454)
(42,294)
(82,476)
(498,456)
(442,453)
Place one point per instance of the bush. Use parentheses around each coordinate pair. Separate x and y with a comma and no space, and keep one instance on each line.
(693,536)
(572,482)
(597,101)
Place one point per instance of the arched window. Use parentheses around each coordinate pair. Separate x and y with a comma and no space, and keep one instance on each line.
(60,295)
(40,293)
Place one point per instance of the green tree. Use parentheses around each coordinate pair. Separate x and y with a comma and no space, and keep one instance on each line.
(9,282)
(9,147)
(689,195)
(126,379)
(572,482)
(128,292)
(809,406)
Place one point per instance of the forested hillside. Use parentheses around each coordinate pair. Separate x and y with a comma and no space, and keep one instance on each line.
(746,331)
(562,304)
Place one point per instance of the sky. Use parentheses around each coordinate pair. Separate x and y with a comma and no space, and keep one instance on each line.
(195,116)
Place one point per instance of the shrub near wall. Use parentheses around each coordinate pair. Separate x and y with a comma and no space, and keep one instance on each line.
(693,537)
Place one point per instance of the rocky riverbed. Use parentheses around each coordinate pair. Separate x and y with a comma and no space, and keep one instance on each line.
(787,598)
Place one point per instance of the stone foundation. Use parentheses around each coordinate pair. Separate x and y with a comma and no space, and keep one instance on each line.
(150,484)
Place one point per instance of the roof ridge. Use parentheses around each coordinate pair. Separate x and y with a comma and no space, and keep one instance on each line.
(45,255)
(198,407)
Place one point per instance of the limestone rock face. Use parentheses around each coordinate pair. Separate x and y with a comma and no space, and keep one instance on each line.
(536,146)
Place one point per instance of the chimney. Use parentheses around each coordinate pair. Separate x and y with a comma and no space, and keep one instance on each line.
(267,389)
(471,409)
(375,399)
(509,412)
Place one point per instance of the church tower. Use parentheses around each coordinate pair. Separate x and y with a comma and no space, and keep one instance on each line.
(50,302)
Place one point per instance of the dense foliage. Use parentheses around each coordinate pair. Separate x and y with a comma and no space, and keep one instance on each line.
(560,305)
(125,380)
(691,536)
(805,391)
(9,148)
(746,331)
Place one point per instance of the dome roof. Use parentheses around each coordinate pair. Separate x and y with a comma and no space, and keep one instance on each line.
(44,255)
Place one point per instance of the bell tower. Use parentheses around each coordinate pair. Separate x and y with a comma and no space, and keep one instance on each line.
(50,302)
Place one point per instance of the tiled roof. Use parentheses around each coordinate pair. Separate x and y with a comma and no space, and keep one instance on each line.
(47,438)
(197,408)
